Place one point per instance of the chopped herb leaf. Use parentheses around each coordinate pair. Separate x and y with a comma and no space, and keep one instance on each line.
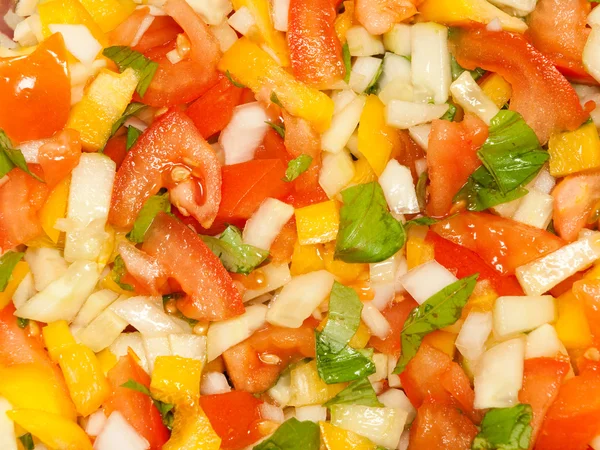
(165,409)
(347,365)
(8,262)
(22,323)
(27,441)
(235,83)
(12,157)
(118,270)
(373,85)
(293,435)
(131,110)
(457,70)
(279,129)
(359,392)
(296,167)
(154,205)
(124,57)
(450,114)
(420,221)
(343,320)
(505,429)
(275,99)
(132,136)
(347,61)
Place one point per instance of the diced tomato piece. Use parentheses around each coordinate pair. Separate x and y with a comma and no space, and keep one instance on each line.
(150,275)
(282,247)
(540,93)
(588,293)
(162,30)
(137,408)
(249,373)
(464,262)
(211,294)
(558,29)
(59,156)
(21,197)
(451,159)
(35,92)
(315,50)
(574,418)
(440,426)
(409,152)
(272,147)
(212,112)
(378,16)
(542,378)
(126,31)
(246,185)
(396,314)
(171,142)
(306,198)
(234,416)
(18,347)
(503,244)
(302,139)
(116,149)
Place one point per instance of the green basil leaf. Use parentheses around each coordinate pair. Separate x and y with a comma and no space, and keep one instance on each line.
(373,85)
(132,136)
(22,323)
(438,311)
(275,99)
(427,221)
(236,256)
(11,157)
(296,167)
(343,320)
(27,441)
(457,70)
(368,233)
(235,83)
(131,110)
(359,392)
(136,386)
(279,129)
(347,61)
(165,409)
(154,205)
(347,365)
(117,272)
(505,429)
(481,192)
(450,114)
(293,435)
(124,57)
(8,262)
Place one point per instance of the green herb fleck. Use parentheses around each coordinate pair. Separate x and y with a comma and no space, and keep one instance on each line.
(235,83)
(505,429)
(132,136)
(347,61)
(131,110)
(124,57)
(8,262)
(118,271)
(296,167)
(293,435)
(359,392)
(27,441)
(11,157)
(165,409)
(279,129)
(154,205)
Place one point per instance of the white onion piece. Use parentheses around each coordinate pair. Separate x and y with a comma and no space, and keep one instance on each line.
(24,291)
(361,43)
(24,32)
(136,122)
(78,41)
(352,145)
(187,345)
(519,7)
(225,35)
(281,392)
(543,274)
(394,67)
(313,413)
(535,209)
(420,134)
(147,315)
(383,294)
(398,188)
(144,25)
(404,115)
(381,367)
(393,379)
(244,133)
(518,314)
(499,375)
(404,440)
(272,412)
(102,332)
(475,331)
(396,89)
(467,93)
(93,306)
(494,25)
(30,150)
(25,8)
(363,72)
(214,383)
(426,280)
(118,433)
(593,18)
(397,40)
(342,126)
(591,53)
(375,321)
(384,271)
(299,298)
(173,56)
(8,438)
(543,342)
(154,347)
(276,275)
(341,99)
(337,171)
(46,265)
(401,270)
(130,341)
(395,398)
(280,14)
(242,20)
(266,223)
(213,12)
(227,333)
(95,423)
(544,182)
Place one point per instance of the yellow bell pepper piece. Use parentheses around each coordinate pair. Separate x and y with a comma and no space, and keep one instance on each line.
(253,67)
(57,337)
(574,151)
(192,430)
(314,390)
(176,380)
(34,386)
(363,173)
(361,337)
(18,273)
(107,360)
(344,21)
(463,12)
(418,251)
(442,340)
(497,89)
(68,12)
(482,299)
(376,140)
(318,223)
(345,272)
(53,430)
(109,13)
(572,326)
(336,438)
(102,104)
(55,208)
(306,258)
(267,34)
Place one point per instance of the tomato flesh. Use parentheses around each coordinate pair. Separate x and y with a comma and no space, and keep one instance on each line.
(396,314)
(59,156)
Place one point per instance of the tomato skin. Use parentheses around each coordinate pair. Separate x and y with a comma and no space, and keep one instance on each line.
(247,184)
(170,141)
(59,156)
(306,197)
(211,294)
(396,314)
(137,408)
(440,426)
(541,94)
(451,159)
(463,262)
(234,416)
(315,50)
(558,29)
(503,244)
(542,378)
(249,373)
(273,147)
(35,92)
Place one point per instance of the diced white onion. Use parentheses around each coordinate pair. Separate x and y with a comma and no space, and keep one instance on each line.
(341,99)
(396,89)
(467,93)
(266,223)
(507,209)
(398,188)
(361,43)
(280,14)
(401,270)
(147,315)
(352,145)
(118,433)
(543,342)
(8,439)
(102,332)
(591,53)
(520,7)
(154,347)
(535,209)
(517,314)
(213,12)
(375,321)
(397,40)
(225,35)
(144,25)
(384,271)
(544,182)
(403,115)
(593,18)
(30,149)
(337,170)
(78,41)
(188,345)
(381,367)
(383,294)
(313,413)
(427,279)
(393,379)
(173,56)
(499,375)
(299,298)
(363,72)
(25,8)
(242,20)
(281,392)
(24,291)
(543,274)
(420,134)
(214,383)
(475,331)
(404,440)
(272,412)
(394,67)
(342,126)
(276,275)
(494,25)
(93,306)
(227,333)
(420,166)
(244,133)
(46,265)
(95,423)
(125,342)
(395,398)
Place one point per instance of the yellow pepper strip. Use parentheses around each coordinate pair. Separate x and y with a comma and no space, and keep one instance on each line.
(344,21)
(102,104)
(68,12)
(418,251)
(363,173)
(497,89)
(442,340)
(83,373)
(33,386)
(253,67)
(376,140)
(345,272)
(107,360)
(361,337)
(275,40)
(19,272)
(572,326)
(109,13)
(55,208)
(53,430)
(318,223)
(574,151)
(317,392)
(192,430)
(336,438)
(306,258)
(176,380)
(462,12)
